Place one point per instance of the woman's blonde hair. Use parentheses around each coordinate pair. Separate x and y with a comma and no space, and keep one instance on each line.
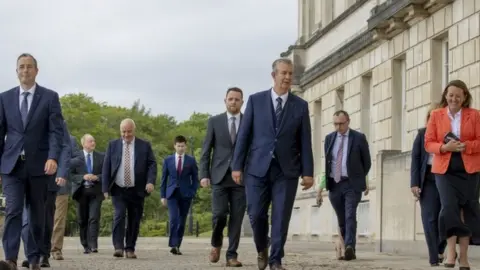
(433,106)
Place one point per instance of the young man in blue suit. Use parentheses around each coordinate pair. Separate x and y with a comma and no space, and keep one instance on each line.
(179,186)
(273,149)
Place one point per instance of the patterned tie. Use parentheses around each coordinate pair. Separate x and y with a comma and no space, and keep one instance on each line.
(127,170)
(179,165)
(233,130)
(278,112)
(89,168)
(338,164)
(24,108)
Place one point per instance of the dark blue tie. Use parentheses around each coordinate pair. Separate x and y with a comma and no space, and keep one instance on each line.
(278,112)
(89,168)
(24,108)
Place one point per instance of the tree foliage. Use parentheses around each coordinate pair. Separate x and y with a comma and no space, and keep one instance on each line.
(84,115)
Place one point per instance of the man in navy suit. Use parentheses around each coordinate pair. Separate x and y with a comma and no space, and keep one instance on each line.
(347,163)
(273,149)
(129,174)
(31,136)
(59,180)
(179,186)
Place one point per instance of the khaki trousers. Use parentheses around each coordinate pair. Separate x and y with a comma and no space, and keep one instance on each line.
(60,220)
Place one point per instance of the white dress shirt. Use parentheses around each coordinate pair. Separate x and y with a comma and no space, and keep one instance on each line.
(237,121)
(455,121)
(177,156)
(29,100)
(336,146)
(284,98)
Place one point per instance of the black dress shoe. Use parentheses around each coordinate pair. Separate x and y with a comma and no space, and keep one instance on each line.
(175,251)
(350,253)
(86,251)
(25,264)
(94,250)
(44,262)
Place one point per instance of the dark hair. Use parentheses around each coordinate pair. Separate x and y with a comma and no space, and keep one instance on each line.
(234,89)
(28,55)
(460,84)
(180,139)
(340,112)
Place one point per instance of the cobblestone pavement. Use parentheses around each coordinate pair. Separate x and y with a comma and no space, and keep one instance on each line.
(154,254)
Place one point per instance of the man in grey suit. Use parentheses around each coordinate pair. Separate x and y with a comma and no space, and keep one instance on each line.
(227,196)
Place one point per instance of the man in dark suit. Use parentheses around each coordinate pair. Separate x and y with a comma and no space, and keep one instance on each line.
(347,163)
(129,174)
(178,188)
(273,149)
(59,180)
(86,175)
(227,196)
(31,135)
(61,208)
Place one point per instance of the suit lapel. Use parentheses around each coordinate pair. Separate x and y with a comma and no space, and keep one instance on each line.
(226,128)
(331,142)
(35,101)
(270,110)
(16,104)
(464,121)
(118,149)
(136,152)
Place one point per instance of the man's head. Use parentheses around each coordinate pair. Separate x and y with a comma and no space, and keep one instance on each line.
(234,100)
(341,121)
(180,144)
(127,129)
(282,74)
(27,70)
(88,143)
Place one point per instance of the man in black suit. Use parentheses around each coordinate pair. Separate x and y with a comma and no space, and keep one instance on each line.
(228,197)
(31,135)
(129,174)
(347,163)
(86,177)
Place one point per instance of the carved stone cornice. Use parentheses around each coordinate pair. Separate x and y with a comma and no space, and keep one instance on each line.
(348,50)
(323,31)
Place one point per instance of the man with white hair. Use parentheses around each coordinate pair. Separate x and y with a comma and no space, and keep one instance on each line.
(129,175)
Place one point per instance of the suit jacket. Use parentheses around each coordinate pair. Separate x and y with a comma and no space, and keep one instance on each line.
(79,169)
(42,136)
(291,144)
(75,151)
(63,169)
(145,166)
(358,159)
(217,140)
(418,167)
(439,125)
(187,181)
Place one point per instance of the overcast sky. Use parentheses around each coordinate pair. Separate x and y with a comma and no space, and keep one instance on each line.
(177,57)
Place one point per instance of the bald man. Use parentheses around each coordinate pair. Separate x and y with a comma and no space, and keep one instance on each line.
(128,176)
(86,178)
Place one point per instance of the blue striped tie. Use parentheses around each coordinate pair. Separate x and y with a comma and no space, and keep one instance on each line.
(278,112)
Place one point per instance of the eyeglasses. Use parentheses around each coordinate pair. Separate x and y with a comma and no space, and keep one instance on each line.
(339,123)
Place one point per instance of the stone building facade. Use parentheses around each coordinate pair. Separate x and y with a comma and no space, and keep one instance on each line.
(383,61)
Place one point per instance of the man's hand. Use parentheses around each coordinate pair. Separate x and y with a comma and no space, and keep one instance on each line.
(60,181)
(149,188)
(365,193)
(416,192)
(88,177)
(307,182)
(93,177)
(319,197)
(50,167)
(164,201)
(237,177)
(205,182)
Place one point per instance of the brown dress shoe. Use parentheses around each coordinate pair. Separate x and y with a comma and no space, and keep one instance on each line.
(118,253)
(130,255)
(262,259)
(234,263)
(57,255)
(215,254)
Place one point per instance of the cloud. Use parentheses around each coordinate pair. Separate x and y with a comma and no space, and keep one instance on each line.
(175,56)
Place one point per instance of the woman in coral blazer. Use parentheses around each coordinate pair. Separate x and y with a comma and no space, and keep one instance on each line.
(453,136)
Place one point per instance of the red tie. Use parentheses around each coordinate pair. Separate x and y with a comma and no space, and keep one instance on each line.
(179,165)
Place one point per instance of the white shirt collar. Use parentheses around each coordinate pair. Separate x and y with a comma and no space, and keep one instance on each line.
(233,115)
(457,114)
(31,90)
(131,143)
(284,97)
(346,133)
